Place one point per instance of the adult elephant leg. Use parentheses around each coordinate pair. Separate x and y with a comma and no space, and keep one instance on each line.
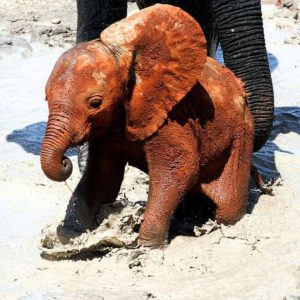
(93,16)
(100,184)
(82,154)
(240,28)
(145,3)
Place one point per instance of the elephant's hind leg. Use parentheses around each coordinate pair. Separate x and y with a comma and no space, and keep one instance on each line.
(229,191)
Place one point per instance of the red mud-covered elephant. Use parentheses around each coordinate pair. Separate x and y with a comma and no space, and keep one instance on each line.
(145,93)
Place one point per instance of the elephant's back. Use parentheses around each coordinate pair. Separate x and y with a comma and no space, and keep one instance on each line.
(223,93)
(213,71)
(225,90)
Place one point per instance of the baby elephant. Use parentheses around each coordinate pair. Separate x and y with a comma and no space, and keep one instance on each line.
(145,93)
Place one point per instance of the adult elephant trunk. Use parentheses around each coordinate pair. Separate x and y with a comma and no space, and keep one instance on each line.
(240,28)
(56,141)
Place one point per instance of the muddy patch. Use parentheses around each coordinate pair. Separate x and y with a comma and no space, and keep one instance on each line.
(119,223)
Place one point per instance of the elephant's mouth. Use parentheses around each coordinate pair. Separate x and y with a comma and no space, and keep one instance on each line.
(77,139)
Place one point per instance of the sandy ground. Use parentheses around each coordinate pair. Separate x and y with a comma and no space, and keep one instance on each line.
(258,258)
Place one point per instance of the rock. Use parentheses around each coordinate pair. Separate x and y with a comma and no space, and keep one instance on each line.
(291,297)
(55,21)
(148,295)
(58,31)
(68,41)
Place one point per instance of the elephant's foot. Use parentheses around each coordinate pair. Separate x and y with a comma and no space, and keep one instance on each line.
(99,185)
(158,244)
(65,234)
(73,226)
(78,219)
(153,236)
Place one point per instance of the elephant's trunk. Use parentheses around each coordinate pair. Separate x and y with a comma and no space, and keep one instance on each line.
(239,25)
(56,141)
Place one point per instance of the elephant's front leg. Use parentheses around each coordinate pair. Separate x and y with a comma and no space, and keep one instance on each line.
(173,163)
(99,185)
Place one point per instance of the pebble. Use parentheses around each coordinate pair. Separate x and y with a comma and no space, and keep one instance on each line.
(58,31)
(55,21)
(148,295)
(69,41)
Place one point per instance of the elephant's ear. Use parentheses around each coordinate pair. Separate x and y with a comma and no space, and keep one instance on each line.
(161,51)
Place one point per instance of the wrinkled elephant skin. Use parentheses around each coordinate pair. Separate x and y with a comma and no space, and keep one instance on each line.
(146,94)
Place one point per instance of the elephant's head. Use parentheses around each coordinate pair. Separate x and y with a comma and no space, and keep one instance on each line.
(142,65)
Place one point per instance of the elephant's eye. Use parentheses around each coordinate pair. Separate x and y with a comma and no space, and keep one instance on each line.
(95,102)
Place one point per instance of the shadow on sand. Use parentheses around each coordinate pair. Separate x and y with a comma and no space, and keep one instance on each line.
(286,120)
(30,138)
